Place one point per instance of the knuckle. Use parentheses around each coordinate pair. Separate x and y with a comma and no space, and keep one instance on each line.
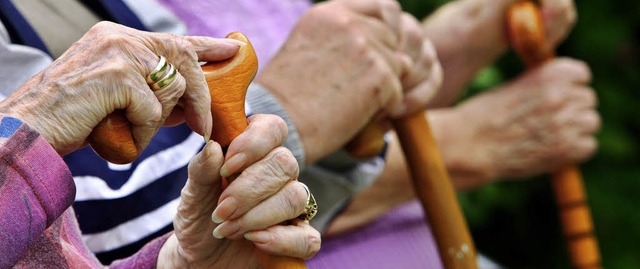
(412,27)
(554,99)
(313,243)
(113,40)
(278,127)
(295,200)
(393,6)
(429,50)
(359,45)
(101,27)
(284,163)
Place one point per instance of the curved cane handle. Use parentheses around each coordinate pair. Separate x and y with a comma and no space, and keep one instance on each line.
(228,82)
(526,34)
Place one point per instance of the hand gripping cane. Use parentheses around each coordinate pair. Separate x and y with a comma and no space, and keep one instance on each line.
(526,34)
(431,182)
(228,81)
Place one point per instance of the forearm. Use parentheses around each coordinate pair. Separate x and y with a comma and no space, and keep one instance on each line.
(468,35)
(466,167)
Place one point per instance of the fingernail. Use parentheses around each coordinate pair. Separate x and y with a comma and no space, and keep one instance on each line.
(232,165)
(258,236)
(206,152)
(225,230)
(224,210)
(217,233)
(208,128)
(234,41)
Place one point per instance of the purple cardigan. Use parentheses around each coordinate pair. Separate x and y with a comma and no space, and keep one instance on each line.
(37,226)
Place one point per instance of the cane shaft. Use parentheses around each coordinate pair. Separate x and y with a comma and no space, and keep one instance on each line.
(526,32)
(436,192)
(575,216)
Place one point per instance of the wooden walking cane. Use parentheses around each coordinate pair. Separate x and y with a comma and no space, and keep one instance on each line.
(228,81)
(526,34)
(435,190)
(431,182)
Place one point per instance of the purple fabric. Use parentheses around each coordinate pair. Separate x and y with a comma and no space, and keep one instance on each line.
(266,23)
(399,239)
(37,226)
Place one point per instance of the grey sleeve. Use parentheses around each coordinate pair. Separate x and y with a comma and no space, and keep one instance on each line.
(19,63)
(334,179)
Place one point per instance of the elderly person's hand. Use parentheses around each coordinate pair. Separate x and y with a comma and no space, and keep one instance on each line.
(106,70)
(470,34)
(349,57)
(261,204)
(534,124)
(424,77)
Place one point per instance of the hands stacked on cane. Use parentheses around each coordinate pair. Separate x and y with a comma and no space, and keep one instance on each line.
(106,70)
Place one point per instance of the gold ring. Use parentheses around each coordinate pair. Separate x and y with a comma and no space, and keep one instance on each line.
(311,209)
(159,71)
(169,76)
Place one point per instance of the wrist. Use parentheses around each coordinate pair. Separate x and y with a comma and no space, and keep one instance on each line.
(460,153)
(169,256)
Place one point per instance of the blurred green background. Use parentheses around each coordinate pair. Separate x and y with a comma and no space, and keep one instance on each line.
(515,223)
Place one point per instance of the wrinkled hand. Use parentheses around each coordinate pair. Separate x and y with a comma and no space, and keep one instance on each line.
(544,119)
(339,67)
(559,17)
(254,205)
(106,70)
(471,34)
(532,125)
(424,78)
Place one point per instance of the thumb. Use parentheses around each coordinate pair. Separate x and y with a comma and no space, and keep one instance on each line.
(204,168)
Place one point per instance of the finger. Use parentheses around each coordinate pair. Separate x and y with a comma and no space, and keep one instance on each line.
(424,63)
(584,97)
(287,204)
(297,240)
(170,94)
(559,16)
(210,49)
(388,11)
(390,88)
(418,97)
(376,30)
(589,122)
(411,36)
(399,63)
(574,70)
(182,54)
(197,98)
(200,193)
(264,133)
(583,149)
(204,168)
(256,183)
(143,110)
